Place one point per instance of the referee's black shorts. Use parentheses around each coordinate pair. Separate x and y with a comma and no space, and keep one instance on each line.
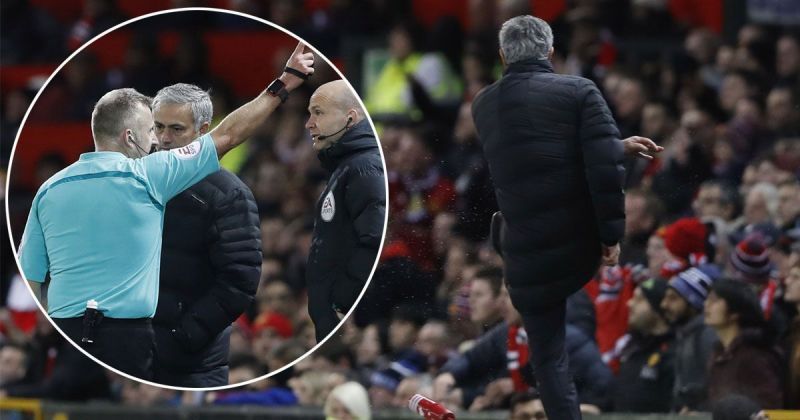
(127,345)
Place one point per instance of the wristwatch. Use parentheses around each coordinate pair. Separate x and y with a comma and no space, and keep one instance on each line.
(278,88)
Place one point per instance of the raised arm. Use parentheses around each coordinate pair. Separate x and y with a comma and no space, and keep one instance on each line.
(240,124)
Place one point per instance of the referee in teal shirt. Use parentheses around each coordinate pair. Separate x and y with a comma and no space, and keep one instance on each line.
(96,226)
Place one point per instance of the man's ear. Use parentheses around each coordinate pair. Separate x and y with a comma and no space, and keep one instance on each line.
(502,57)
(352,117)
(204,128)
(550,54)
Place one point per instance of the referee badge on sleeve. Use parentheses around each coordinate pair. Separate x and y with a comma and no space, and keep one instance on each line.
(328,207)
(189,151)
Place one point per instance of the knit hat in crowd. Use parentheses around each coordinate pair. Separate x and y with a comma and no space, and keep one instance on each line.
(750,258)
(654,290)
(685,237)
(770,233)
(694,283)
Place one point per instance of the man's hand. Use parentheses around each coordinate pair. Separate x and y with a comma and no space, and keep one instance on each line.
(480,403)
(300,61)
(442,385)
(496,392)
(242,123)
(641,146)
(610,255)
(590,409)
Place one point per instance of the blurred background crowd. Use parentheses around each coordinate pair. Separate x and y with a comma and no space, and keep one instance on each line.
(703,308)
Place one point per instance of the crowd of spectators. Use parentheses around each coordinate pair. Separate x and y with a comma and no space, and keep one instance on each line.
(704,304)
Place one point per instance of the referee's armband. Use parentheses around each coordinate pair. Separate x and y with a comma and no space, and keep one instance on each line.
(170,172)
(189,151)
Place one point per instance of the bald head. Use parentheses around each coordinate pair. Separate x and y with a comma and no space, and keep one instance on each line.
(341,97)
(333,108)
(122,122)
(114,111)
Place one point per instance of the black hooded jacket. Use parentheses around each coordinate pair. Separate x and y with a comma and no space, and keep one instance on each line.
(348,224)
(210,268)
(556,160)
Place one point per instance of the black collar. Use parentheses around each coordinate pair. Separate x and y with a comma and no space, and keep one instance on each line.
(357,138)
(530,65)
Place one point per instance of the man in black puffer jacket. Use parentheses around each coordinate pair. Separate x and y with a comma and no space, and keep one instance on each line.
(556,160)
(350,213)
(210,258)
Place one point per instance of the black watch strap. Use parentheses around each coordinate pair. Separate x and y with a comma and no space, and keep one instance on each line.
(278,88)
(296,72)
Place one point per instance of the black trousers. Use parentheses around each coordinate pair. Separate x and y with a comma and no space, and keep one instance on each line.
(175,365)
(127,345)
(546,331)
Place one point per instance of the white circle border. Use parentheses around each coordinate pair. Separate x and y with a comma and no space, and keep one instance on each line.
(274,26)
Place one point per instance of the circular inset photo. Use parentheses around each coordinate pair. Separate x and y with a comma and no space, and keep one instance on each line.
(198,198)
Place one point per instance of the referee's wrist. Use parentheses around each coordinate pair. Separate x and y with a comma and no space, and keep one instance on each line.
(277,89)
(290,81)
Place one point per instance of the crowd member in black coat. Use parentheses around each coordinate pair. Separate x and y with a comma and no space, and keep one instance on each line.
(210,257)
(556,159)
(646,366)
(492,357)
(694,340)
(351,212)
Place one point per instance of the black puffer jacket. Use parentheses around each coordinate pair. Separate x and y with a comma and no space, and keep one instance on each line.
(348,225)
(556,160)
(210,268)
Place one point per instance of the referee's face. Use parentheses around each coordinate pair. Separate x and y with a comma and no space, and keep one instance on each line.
(174,124)
(325,119)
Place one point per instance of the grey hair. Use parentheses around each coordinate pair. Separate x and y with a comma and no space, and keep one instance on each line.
(184,93)
(113,112)
(525,37)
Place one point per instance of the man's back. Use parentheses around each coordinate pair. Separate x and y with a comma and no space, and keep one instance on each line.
(556,162)
(89,225)
(96,228)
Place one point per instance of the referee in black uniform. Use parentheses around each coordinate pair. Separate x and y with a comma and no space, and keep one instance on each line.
(351,212)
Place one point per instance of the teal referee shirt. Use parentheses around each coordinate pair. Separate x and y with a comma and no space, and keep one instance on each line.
(96,227)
